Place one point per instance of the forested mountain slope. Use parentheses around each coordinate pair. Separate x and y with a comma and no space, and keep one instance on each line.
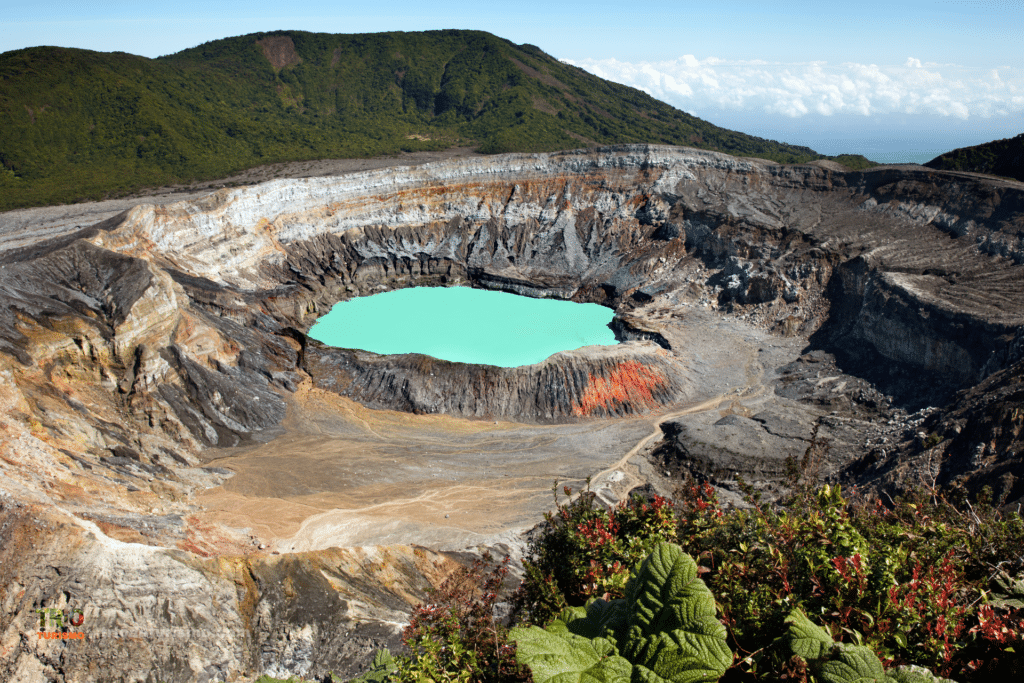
(1000,157)
(82,125)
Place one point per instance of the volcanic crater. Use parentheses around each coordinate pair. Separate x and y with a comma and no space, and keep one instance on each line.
(163,403)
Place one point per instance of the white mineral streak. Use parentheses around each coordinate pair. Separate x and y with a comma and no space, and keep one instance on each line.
(228,235)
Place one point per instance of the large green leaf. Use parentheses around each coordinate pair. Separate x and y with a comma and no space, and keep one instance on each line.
(916,674)
(577,616)
(664,631)
(600,619)
(839,663)
(1007,591)
(569,658)
(673,632)
(854,664)
(807,639)
(384,665)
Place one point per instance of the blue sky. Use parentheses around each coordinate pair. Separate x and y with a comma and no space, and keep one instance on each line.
(892,80)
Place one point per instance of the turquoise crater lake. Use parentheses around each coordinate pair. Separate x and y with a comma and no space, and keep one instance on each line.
(464,325)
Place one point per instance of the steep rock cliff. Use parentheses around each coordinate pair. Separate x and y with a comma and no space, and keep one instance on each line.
(572,384)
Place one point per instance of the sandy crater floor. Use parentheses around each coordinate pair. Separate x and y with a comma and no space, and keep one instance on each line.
(345,475)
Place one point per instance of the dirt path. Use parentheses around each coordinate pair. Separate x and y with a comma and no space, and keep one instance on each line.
(24,227)
(623,485)
(620,478)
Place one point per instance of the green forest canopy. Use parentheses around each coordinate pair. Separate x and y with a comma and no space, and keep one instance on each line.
(1000,157)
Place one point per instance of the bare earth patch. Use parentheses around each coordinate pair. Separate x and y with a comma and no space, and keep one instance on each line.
(345,475)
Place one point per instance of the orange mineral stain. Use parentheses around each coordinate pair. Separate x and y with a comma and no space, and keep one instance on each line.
(631,382)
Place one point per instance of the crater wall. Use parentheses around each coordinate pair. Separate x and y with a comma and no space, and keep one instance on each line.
(184,321)
(588,383)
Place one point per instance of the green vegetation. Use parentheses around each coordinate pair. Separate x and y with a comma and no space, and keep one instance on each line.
(833,662)
(80,125)
(1000,157)
(384,665)
(664,629)
(853,162)
(585,550)
(816,589)
(455,638)
(909,581)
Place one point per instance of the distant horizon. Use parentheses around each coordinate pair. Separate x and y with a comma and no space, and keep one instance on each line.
(895,82)
(898,140)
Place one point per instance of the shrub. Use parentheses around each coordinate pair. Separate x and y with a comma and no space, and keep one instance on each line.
(904,580)
(585,550)
(455,637)
(995,647)
(884,589)
(764,562)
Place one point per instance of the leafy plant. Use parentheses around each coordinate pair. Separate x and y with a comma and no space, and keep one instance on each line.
(905,579)
(1007,591)
(918,588)
(833,662)
(664,629)
(384,664)
(585,550)
(995,646)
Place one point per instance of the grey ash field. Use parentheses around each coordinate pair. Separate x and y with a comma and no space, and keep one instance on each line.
(225,497)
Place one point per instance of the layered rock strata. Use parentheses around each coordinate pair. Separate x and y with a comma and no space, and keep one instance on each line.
(569,385)
(157,613)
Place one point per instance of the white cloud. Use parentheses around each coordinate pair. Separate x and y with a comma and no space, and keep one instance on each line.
(798,89)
